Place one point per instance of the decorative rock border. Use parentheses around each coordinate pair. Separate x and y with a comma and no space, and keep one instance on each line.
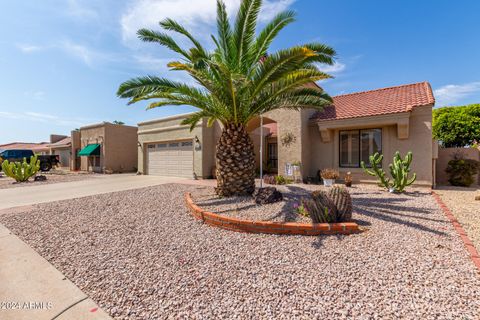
(270,227)
(461,232)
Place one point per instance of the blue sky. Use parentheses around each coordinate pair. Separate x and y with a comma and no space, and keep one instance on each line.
(61,61)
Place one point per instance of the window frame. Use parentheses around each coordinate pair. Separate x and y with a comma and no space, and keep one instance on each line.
(359,131)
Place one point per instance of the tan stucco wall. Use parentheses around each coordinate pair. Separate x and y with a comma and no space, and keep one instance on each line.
(76,145)
(120,148)
(64,155)
(447,154)
(169,129)
(91,135)
(326,154)
(118,151)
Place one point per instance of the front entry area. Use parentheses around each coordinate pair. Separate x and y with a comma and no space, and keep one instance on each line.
(173,159)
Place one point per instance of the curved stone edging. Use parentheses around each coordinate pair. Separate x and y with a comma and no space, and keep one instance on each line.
(269,227)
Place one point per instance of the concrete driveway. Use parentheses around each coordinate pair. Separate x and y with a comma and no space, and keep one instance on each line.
(30,195)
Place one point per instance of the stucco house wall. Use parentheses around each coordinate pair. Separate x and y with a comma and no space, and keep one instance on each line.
(447,154)
(118,145)
(170,129)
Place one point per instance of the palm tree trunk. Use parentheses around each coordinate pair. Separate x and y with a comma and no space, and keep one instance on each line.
(235,162)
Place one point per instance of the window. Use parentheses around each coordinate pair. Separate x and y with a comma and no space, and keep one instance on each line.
(174,144)
(151,146)
(161,145)
(272,155)
(187,143)
(358,145)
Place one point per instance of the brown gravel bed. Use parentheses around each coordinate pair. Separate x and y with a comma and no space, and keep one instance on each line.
(246,208)
(52,177)
(140,255)
(462,203)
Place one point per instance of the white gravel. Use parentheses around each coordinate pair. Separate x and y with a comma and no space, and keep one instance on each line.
(141,255)
(54,176)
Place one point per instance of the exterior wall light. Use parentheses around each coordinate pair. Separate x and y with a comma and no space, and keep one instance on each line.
(198,146)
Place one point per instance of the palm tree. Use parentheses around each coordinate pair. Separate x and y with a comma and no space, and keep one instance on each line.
(235,82)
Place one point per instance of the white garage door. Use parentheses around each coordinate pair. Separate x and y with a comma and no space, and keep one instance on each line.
(174,159)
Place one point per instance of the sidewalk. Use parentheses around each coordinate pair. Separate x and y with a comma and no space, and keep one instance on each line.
(31,288)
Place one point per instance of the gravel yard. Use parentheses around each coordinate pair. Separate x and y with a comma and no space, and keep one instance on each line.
(245,207)
(462,203)
(141,255)
(52,177)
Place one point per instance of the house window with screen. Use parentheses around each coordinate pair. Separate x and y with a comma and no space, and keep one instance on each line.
(358,145)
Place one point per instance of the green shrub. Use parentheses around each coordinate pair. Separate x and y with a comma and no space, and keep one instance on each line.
(461,171)
(457,126)
(21,171)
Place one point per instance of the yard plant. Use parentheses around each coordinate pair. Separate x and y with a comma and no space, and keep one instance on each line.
(21,171)
(235,82)
(399,171)
(457,126)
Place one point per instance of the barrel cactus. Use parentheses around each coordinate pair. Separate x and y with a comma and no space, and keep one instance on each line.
(321,208)
(343,202)
(21,171)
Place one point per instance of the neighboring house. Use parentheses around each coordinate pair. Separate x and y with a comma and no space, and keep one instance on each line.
(61,146)
(104,147)
(38,148)
(354,127)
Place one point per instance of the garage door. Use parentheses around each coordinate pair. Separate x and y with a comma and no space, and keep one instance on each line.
(174,159)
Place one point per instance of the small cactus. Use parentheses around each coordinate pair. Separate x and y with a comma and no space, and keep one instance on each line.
(21,171)
(321,208)
(342,200)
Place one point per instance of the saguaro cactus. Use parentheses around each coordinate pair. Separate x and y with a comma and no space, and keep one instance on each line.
(399,171)
(21,171)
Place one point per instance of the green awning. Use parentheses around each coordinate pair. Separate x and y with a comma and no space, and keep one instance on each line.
(90,150)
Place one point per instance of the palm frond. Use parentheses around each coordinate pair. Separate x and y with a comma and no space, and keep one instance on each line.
(245,27)
(163,39)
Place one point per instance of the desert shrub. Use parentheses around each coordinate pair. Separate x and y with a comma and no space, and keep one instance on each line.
(21,171)
(276,179)
(461,171)
(329,174)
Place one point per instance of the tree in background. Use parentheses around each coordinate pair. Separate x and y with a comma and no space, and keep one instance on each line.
(118,122)
(236,82)
(457,126)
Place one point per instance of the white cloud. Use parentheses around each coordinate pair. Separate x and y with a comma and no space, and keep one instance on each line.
(44,118)
(335,68)
(199,16)
(79,51)
(80,10)
(29,48)
(453,93)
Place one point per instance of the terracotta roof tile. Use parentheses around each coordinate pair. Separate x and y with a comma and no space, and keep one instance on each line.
(25,146)
(377,102)
(65,142)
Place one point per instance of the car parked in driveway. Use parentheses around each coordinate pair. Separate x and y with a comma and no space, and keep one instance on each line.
(46,161)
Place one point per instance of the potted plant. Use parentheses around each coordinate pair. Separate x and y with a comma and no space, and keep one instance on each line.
(296,170)
(329,176)
(348,179)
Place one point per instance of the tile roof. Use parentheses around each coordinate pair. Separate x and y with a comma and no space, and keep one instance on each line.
(65,142)
(25,145)
(377,102)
